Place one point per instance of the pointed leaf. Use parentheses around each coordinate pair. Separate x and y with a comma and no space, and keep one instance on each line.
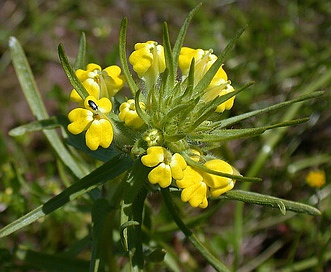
(69,71)
(123,58)
(80,62)
(107,171)
(274,202)
(232,134)
(32,95)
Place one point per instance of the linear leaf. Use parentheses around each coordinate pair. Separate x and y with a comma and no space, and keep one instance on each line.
(123,58)
(107,171)
(232,134)
(274,202)
(37,107)
(233,120)
(181,35)
(69,71)
(80,62)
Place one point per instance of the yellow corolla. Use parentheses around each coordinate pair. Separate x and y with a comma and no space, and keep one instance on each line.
(148,61)
(195,190)
(129,115)
(165,165)
(98,82)
(203,61)
(93,119)
(219,185)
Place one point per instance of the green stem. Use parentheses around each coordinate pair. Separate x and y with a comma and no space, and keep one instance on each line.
(217,264)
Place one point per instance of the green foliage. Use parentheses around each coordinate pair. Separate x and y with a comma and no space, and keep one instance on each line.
(278,50)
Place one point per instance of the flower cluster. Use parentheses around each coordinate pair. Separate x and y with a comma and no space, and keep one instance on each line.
(165,118)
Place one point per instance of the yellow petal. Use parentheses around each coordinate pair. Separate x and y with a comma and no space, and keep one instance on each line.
(177,165)
(92,67)
(141,60)
(99,133)
(227,105)
(215,192)
(215,181)
(161,175)
(80,119)
(155,155)
(104,105)
(92,87)
(113,78)
(195,194)
(191,176)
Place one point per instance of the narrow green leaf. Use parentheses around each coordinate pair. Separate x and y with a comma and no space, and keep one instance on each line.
(107,171)
(140,112)
(101,234)
(37,107)
(232,134)
(274,202)
(233,120)
(26,80)
(47,262)
(168,57)
(123,58)
(69,71)
(181,35)
(80,62)
(49,123)
(131,212)
(209,108)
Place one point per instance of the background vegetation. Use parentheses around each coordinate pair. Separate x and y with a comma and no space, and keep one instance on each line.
(285,50)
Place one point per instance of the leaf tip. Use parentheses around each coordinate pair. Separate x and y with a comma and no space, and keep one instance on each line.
(12,40)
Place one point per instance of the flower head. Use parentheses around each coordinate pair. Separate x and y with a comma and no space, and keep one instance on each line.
(315,178)
(166,166)
(129,115)
(93,119)
(148,61)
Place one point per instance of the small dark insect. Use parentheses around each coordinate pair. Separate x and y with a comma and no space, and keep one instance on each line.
(92,105)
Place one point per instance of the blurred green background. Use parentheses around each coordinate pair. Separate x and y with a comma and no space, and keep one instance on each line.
(286,50)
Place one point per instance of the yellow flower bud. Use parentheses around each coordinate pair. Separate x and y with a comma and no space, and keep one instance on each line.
(148,61)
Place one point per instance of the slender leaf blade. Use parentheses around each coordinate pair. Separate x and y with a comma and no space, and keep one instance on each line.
(274,202)
(107,171)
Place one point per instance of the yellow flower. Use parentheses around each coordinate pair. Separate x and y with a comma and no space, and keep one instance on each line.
(219,185)
(98,82)
(129,115)
(315,178)
(203,61)
(92,118)
(148,61)
(166,166)
(195,190)
(91,87)
(197,184)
